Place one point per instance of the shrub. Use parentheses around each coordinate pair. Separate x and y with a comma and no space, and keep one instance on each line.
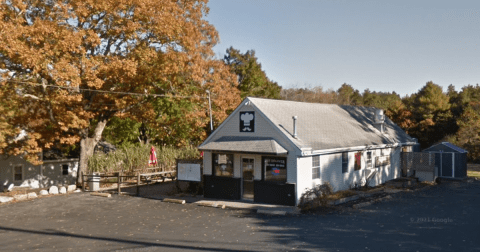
(315,197)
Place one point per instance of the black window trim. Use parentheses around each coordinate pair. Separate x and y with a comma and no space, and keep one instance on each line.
(344,162)
(22,172)
(68,168)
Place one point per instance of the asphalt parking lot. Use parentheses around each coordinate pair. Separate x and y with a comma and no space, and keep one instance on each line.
(442,218)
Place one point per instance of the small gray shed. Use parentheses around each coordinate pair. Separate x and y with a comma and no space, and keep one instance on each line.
(451,160)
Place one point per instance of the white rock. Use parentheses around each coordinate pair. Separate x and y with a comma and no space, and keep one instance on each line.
(32,195)
(4,199)
(71,188)
(78,190)
(53,190)
(10,187)
(20,197)
(43,192)
(63,190)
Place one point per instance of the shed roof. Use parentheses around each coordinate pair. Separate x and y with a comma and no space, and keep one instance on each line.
(329,126)
(445,147)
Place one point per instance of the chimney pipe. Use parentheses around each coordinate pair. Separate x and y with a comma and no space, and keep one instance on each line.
(294,126)
(379,120)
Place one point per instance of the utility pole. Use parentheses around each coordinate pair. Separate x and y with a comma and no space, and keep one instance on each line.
(210,111)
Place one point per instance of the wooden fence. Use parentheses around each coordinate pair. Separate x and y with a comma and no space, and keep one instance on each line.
(148,175)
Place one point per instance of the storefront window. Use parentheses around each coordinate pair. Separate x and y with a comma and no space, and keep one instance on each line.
(223,164)
(275,169)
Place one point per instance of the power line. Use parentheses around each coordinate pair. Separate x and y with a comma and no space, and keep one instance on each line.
(106,91)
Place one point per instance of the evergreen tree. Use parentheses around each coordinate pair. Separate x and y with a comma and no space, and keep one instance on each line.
(252,79)
(431,111)
(349,96)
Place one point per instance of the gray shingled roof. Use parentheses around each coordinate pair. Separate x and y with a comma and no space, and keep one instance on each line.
(445,147)
(243,144)
(329,126)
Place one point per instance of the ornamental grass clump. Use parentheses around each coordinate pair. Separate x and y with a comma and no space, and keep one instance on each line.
(130,159)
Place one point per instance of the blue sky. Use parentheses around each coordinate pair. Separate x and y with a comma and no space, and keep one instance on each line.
(380,45)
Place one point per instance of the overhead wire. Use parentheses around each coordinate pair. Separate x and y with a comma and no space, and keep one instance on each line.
(107,91)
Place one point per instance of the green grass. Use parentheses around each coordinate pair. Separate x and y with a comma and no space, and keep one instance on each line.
(473,174)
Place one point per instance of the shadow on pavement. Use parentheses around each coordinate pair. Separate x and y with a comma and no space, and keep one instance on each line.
(444,218)
(131,242)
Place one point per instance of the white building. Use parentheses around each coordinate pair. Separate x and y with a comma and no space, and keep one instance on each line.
(16,171)
(272,150)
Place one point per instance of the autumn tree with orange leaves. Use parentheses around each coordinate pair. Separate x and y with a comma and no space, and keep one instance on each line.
(69,66)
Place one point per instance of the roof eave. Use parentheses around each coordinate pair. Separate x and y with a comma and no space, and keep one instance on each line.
(245,152)
(356,148)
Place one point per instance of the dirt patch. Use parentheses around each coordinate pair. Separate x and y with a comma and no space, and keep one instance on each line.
(473,167)
(21,190)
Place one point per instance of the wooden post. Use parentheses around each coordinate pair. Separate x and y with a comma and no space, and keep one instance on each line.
(83,181)
(138,184)
(118,183)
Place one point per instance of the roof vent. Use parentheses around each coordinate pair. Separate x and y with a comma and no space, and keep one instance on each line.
(379,120)
(294,126)
(379,116)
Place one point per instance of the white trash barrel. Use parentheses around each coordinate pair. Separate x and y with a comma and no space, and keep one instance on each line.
(93,182)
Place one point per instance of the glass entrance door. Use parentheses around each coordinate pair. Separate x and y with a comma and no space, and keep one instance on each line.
(247,177)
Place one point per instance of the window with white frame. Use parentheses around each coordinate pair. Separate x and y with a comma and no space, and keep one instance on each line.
(315,167)
(344,162)
(65,169)
(18,173)
(369,159)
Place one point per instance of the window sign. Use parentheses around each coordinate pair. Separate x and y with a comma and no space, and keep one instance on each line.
(382,161)
(247,121)
(222,159)
(358,161)
(223,164)
(275,169)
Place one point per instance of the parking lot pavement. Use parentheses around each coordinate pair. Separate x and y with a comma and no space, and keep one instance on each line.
(441,218)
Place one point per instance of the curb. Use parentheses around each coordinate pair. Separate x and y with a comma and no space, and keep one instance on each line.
(208,204)
(178,201)
(107,195)
(271,212)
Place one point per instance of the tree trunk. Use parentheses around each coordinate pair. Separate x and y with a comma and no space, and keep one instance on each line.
(87,146)
(143,138)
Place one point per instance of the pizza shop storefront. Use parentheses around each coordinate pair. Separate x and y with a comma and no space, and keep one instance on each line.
(247,168)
